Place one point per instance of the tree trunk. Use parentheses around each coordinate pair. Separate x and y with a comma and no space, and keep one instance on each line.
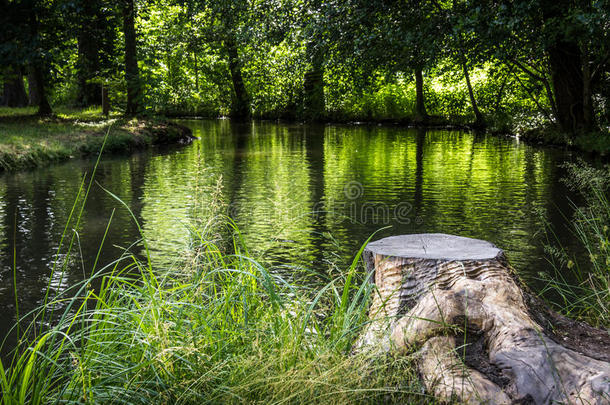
(481,336)
(88,62)
(33,88)
(132,73)
(479,122)
(14,90)
(587,96)
(38,71)
(566,66)
(44,108)
(565,61)
(421,115)
(105,101)
(196,72)
(313,86)
(498,102)
(241,102)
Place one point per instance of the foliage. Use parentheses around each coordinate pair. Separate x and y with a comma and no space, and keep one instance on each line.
(232,57)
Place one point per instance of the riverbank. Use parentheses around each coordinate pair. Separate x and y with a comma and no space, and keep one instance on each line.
(28,141)
(220,327)
(597,143)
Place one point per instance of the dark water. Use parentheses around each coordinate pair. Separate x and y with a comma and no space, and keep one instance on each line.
(271,178)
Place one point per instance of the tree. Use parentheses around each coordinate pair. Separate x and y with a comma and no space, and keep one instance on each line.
(562,44)
(14,90)
(312,28)
(95,30)
(241,101)
(38,63)
(392,36)
(34,98)
(132,73)
(25,41)
(225,27)
(464,48)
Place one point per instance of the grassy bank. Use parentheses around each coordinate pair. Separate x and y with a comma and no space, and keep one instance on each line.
(220,327)
(27,140)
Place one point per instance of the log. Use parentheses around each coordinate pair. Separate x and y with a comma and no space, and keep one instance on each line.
(480,335)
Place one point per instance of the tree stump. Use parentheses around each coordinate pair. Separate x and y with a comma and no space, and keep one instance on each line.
(481,336)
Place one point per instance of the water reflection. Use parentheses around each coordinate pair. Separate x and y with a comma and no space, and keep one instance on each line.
(306,195)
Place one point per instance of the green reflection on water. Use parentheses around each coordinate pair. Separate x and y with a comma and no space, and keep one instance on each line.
(305,195)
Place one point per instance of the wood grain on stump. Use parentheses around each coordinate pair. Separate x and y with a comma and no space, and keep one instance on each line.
(481,336)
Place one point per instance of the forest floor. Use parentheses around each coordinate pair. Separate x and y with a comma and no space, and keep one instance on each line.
(28,141)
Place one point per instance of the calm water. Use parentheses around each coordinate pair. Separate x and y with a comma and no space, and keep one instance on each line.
(304,195)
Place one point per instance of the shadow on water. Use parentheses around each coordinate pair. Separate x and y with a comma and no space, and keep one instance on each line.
(304,195)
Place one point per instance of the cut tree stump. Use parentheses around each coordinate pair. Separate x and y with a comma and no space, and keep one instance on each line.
(481,336)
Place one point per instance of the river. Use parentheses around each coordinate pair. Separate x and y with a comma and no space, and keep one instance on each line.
(302,195)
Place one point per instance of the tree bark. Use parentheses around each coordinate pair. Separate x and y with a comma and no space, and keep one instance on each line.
(88,65)
(14,89)
(32,88)
(132,73)
(479,122)
(44,108)
(241,102)
(421,115)
(38,71)
(481,337)
(313,86)
(196,72)
(587,99)
(565,61)
(105,101)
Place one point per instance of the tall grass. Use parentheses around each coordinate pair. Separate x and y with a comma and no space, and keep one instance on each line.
(589,297)
(220,327)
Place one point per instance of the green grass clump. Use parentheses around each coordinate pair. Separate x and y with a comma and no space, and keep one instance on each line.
(221,328)
(589,297)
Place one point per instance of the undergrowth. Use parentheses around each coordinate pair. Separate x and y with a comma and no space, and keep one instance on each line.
(219,329)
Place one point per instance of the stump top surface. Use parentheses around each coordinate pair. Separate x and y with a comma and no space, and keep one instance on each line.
(434,246)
